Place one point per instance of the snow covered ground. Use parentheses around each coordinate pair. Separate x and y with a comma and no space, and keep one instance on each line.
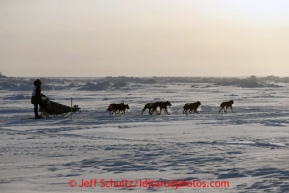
(248,148)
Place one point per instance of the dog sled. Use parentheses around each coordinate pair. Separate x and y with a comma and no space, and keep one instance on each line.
(48,107)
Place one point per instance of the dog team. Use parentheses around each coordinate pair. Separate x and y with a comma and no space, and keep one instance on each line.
(157,107)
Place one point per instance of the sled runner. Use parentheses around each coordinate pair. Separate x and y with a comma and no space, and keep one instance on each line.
(49,107)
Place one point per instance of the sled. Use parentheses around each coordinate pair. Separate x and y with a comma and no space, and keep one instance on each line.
(49,107)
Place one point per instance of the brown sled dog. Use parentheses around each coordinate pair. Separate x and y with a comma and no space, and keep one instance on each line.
(191,107)
(225,105)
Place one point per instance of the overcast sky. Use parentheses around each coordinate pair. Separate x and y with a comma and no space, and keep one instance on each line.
(144,37)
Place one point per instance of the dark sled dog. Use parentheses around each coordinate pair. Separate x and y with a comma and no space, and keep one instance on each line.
(191,107)
(117,109)
(148,106)
(161,105)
